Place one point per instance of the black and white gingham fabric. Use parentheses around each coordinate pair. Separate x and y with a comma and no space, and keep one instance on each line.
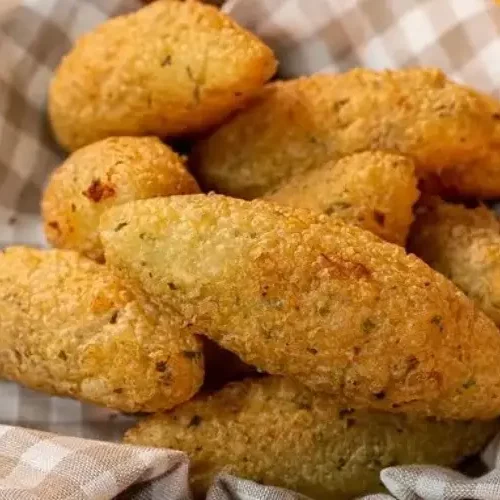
(33,38)
(37,465)
(460,36)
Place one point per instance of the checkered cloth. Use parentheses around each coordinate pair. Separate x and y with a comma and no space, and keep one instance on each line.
(460,36)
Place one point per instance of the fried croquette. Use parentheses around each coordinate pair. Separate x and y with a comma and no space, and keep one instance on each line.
(277,432)
(69,327)
(103,174)
(172,68)
(306,296)
(464,245)
(372,190)
(298,125)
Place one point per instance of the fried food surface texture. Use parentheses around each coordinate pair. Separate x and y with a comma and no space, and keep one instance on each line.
(307,296)
(464,245)
(277,432)
(372,190)
(169,69)
(70,327)
(103,174)
(451,131)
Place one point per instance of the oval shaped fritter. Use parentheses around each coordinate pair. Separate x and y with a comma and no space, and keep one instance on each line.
(372,190)
(277,432)
(309,297)
(451,131)
(69,327)
(104,174)
(464,245)
(171,68)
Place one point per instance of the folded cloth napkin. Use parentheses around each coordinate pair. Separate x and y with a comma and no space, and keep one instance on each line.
(462,37)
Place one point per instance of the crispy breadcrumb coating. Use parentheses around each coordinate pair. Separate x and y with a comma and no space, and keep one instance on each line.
(448,129)
(307,296)
(276,432)
(372,190)
(103,174)
(172,68)
(464,245)
(69,327)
